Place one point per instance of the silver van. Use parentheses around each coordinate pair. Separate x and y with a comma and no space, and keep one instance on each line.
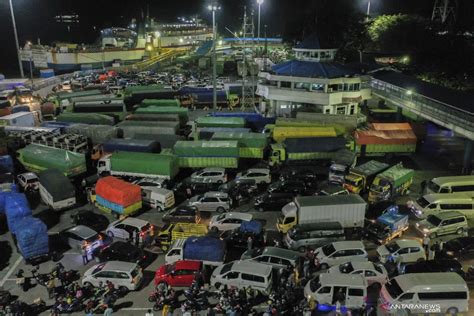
(300,237)
(453,184)
(444,223)
(274,256)
(431,204)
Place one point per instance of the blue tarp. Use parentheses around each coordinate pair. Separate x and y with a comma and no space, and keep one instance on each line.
(16,208)
(204,248)
(6,164)
(251,226)
(133,145)
(394,220)
(32,237)
(110,205)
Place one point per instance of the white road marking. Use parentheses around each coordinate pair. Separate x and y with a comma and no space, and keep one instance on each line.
(10,271)
(71,253)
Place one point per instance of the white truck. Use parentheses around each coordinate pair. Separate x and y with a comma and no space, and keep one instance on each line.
(56,190)
(209,250)
(26,119)
(158,198)
(348,210)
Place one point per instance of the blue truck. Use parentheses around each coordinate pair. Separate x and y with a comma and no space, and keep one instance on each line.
(389,225)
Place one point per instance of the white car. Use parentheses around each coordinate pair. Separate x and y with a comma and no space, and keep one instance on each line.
(28,181)
(149,183)
(126,276)
(339,252)
(210,175)
(260,175)
(374,273)
(401,250)
(228,221)
(128,227)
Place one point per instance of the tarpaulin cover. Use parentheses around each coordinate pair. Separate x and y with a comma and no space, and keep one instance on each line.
(165,140)
(60,125)
(57,184)
(97,107)
(69,95)
(32,237)
(210,121)
(131,131)
(145,163)
(370,168)
(135,145)
(6,164)
(254,120)
(398,174)
(133,89)
(16,208)
(395,221)
(252,140)
(389,137)
(319,144)
(138,96)
(98,134)
(281,133)
(208,97)
(158,102)
(391,126)
(204,148)
(206,133)
(204,248)
(116,208)
(251,226)
(118,191)
(173,125)
(37,157)
(86,118)
(156,117)
(182,112)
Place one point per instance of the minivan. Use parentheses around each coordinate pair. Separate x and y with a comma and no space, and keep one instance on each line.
(453,184)
(125,275)
(303,236)
(272,201)
(244,274)
(439,202)
(325,289)
(274,256)
(444,223)
(440,293)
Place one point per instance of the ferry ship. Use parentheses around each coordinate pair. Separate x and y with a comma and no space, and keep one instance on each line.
(118,46)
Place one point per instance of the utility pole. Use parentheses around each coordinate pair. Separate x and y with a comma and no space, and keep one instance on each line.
(16,40)
(214,8)
(248,86)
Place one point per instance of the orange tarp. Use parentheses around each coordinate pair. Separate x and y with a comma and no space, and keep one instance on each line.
(385,137)
(118,191)
(391,126)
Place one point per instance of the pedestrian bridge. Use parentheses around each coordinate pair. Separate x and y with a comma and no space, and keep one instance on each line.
(450,109)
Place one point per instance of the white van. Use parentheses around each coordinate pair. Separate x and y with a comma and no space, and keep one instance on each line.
(432,204)
(158,198)
(328,288)
(240,274)
(439,293)
(450,185)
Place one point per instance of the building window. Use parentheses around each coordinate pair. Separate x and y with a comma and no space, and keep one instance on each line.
(341,110)
(318,87)
(302,86)
(328,111)
(285,84)
(352,110)
(357,87)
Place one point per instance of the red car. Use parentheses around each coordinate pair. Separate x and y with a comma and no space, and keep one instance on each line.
(181,273)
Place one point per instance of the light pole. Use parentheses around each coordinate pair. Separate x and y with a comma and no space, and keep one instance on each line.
(259,2)
(16,40)
(368,10)
(214,8)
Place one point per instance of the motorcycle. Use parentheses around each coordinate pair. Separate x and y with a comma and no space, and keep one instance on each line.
(469,275)
(155,295)
(41,278)
(38,306)
(23,282)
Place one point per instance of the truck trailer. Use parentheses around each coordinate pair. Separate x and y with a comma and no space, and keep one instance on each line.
(391,183)
(204,154)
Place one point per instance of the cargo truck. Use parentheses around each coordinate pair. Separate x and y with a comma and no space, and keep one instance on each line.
(210,121)
(171,232)
(360,178)
(209,250)
(26,119)
(388,226)
(255,121)
(348,210)
(133,164)
(128,145)
(206,154)
(56,190)
(160,102)
(279,134)
(392,182)
(340,164)
(252,145)
(86,118)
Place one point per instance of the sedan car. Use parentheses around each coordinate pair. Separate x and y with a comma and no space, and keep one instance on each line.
(288,186)
(97,222)
(374,273)
(439,265)
(260,175)
(461,248)
(401,250)
(339,252)
(228,221)
(122,251)
(238,238)
(183,214)
(210,175)
(181,273)
(126,276)
(211,202)
(81,235)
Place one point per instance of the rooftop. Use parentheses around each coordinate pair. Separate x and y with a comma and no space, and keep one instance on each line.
(311,69)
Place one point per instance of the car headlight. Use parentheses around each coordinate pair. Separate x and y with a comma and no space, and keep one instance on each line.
(425,230)
(417,224)
(450,253)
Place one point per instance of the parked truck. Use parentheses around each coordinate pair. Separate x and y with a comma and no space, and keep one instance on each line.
(392,182)
(360,178)
(204,154)
(56,190)
(279,134)
(340,165)
(19,119)
(255,121)
(127,145)
(348,210)
(209,250)
(388,226)
(252,145)
(171,232)
(134,164)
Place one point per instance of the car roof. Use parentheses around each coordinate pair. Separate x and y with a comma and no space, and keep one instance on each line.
(29,175)
(82,231)
(132,221)
(239,215)
(342,279)
(215,194)
(119,266)
(450,281)
(263,170)
(448,197)
(251,266)
(281,252)
(188,264)
(362,265)
(348,244)
(448,214)
(402,243)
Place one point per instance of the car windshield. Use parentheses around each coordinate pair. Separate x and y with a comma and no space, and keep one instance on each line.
(346,268)
(314,284)
(227,267)
(393,289)
(392,247)
(433,186)
(328,249)
(433,220)
(378,268)
(422,202)
(98,268)
(220,217)
(169,268)
(135,272)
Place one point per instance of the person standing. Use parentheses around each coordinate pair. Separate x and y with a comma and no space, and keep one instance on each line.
(249,243)
(108,311)
(50,287)
(426,243)
(85,259)
(150,313)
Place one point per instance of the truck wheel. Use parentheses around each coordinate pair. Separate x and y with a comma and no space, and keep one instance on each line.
(452,311)
(460,231)
(220,210)
(110,234)
(159,209)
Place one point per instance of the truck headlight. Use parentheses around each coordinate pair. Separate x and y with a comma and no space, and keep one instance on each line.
(425,230)
(417,224)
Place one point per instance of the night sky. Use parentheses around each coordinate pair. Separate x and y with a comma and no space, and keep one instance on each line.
(286,18)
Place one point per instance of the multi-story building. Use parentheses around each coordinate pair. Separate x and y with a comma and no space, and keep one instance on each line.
(313,82)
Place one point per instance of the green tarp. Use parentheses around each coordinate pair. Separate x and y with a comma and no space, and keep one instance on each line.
(253,140)
(145,163)
(37,158)
(69,95)
(86,118)
(174,125)
(182,112)
(206,149)
(163,102)
(214,121)
(132,89)
(398,174)
(98,134)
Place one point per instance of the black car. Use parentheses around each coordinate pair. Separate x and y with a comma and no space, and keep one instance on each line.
(289,186)
(437,265)
(120,251)
(272,201)
(461,248)
(238,238)
(188,188)
(240,190)
(308,176)
(97,222)
(182,214)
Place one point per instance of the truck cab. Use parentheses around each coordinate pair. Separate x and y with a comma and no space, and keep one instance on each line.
(380,190)
(278,155)
(103,166)
(354,183)
(288,217)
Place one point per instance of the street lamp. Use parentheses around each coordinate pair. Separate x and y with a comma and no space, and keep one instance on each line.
(259,2)
(368,10)
(214,8)
(16,40)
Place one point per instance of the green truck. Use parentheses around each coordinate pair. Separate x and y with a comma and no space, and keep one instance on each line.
(251,145)
(392,182)
(153,109)
(136,164)
(360,178)
(86,118)
(160,102)
(36,158)
(214,121)
(203,154)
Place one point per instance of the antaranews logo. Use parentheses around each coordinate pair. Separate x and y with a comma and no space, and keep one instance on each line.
(422,308)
